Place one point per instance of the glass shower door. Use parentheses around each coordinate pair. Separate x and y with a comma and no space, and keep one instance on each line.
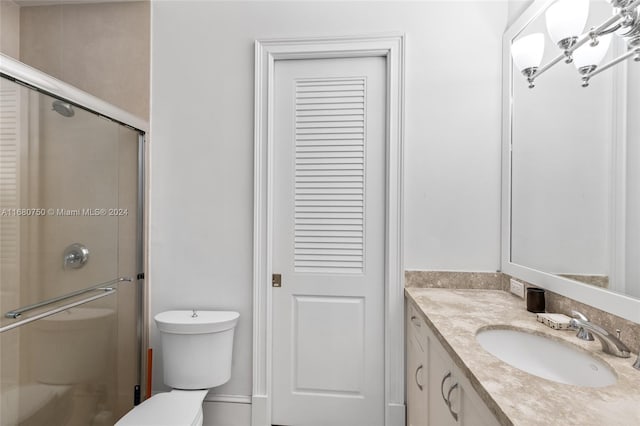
(69,346)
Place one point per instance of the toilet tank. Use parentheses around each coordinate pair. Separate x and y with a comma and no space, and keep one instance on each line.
(197,348)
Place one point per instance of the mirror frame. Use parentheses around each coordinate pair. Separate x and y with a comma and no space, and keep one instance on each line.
(615,303)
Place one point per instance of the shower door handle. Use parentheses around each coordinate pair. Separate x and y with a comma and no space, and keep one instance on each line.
(15,313)
(75,256)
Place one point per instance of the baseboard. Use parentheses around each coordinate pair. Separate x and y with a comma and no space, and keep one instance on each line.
(238,399)
(259,412)
(396,415)
(226,410)
(241,410)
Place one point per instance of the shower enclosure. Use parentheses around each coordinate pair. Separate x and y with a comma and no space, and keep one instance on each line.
(71,262)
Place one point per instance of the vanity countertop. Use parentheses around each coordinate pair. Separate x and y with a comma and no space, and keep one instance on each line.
(516,397)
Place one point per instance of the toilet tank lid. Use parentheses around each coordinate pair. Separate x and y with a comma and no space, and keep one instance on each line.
(184,322)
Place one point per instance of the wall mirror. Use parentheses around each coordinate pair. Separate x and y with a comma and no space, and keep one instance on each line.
(571,187)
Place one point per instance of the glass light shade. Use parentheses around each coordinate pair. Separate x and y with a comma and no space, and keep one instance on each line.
(566,18)
(587,55)
(527,51)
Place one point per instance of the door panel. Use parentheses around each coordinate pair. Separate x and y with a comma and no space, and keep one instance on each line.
(328,241)
(332,327)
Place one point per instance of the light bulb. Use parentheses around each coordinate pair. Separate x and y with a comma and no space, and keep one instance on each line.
(566,20)
(527,51)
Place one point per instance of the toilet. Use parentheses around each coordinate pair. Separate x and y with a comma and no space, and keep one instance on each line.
(197,349)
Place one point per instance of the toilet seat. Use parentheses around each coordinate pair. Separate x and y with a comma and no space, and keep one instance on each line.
(175,408)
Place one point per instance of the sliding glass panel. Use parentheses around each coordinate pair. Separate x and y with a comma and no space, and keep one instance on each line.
(68,222)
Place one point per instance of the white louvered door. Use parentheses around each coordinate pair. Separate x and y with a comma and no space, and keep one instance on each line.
(328,242)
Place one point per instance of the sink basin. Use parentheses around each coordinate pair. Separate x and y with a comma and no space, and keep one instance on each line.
(546,358)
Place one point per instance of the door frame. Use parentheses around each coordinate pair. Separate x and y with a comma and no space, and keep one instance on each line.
(267,52)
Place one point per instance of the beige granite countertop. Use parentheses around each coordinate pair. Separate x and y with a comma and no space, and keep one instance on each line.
(516,397)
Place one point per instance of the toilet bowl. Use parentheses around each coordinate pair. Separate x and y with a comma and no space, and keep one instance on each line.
(197,349)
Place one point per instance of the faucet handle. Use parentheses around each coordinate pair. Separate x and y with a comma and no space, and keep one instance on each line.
(582,333)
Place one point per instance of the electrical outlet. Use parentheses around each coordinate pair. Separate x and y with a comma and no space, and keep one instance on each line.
(517,288)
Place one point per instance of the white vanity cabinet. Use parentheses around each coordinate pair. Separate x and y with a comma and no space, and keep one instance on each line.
(438,394)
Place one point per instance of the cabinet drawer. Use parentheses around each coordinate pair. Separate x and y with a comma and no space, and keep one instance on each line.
(416,325)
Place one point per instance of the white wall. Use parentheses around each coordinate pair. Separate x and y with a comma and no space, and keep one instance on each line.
(202,142)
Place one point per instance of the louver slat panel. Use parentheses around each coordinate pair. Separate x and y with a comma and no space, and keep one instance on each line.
(329,175)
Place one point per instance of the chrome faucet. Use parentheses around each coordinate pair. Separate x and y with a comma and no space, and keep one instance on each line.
(586,330)
(582,333)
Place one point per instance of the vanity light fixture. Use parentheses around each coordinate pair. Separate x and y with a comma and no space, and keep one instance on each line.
(565,23)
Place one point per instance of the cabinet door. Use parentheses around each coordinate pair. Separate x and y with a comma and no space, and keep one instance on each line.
(416,372)
(442,386)
(416,383)
(472,410)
